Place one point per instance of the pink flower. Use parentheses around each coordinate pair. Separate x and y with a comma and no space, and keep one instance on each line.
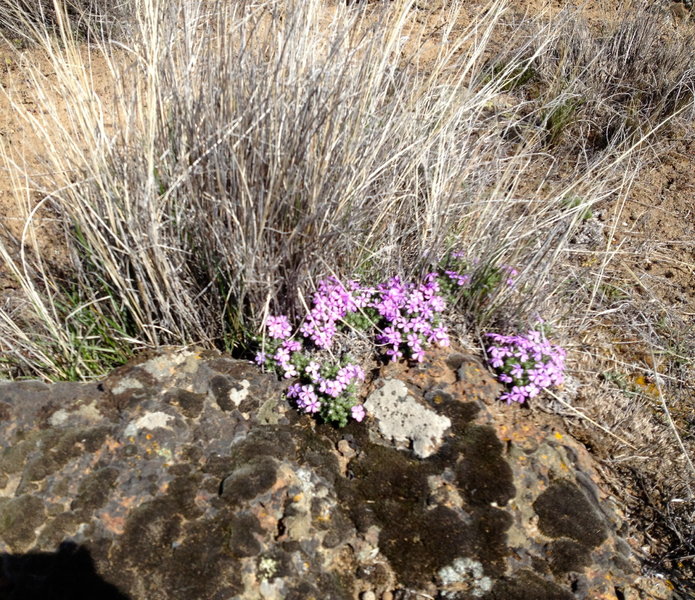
(282,356)
(418,355)
(357,412)
(312,370)
(292,345)
(278,327)
(312,406)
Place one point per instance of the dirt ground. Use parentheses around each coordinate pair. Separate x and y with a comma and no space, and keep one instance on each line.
(650,277)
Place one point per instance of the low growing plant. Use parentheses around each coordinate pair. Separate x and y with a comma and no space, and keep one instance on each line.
(464,278)
(526,364)
(402,318)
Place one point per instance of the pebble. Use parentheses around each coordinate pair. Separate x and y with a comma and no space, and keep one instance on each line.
(368,596)
(346,450)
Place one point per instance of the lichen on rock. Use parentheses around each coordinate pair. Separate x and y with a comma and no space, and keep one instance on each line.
(184,486)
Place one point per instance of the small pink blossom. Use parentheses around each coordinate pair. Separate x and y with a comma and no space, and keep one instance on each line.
(278,327)
(357,412)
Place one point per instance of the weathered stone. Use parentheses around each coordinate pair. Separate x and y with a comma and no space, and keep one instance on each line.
(187,475)
(19,519)
(567,555)
(402,419)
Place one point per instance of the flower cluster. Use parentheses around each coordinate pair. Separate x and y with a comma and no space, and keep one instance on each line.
(409,317)
(526,364)
(331,303)
(317,383)
(406,317)
(324,389)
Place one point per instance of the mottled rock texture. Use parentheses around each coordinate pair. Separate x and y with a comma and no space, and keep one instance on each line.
(188,476)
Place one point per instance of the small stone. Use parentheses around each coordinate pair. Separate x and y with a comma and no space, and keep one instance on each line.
(345,449)
(368,595)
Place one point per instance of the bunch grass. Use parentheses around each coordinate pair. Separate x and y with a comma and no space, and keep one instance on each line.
(250,149)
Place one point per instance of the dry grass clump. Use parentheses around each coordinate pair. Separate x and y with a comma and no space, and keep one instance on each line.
(601,84)
(253,148)
(258,147)
(22,20)
(636,363)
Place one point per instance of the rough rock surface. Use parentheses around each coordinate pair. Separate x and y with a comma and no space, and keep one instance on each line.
(188,476)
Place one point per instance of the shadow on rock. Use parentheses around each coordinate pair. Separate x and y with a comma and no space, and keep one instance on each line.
(67,573)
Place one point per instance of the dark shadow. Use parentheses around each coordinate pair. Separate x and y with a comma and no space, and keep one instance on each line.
(67,574)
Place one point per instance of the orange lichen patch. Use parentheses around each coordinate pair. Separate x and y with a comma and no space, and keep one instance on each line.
(115,524)
(112,445)
(523,435)
(645,385)
(202,498)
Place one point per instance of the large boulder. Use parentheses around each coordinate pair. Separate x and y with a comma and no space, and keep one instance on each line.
(188,475)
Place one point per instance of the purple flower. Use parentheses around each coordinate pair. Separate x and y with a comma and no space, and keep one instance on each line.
(391,336)
(437,303)
(306,396)
(431,285)
(344,376)
(531,390)
(260,358)
(414,341)
(313,406)
(512,357)
(439,336)
(415,302)
(289,371)
(539,377)
(516,394)
(457,278)
(282,356)
(394,353)
(511,272)
(312,370)
(517,371)
(521,355)
(278,327)
(292,345)
(418,355)
(331,387)
(418,325)
(353,372)
(294,390)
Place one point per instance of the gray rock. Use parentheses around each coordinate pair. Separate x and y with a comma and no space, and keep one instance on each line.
(400,418)
(188,476)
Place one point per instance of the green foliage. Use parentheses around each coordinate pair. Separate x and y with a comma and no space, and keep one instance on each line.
(473,283)
(575,202)
(362,320)
(559,118)
(98,339)
(511,77)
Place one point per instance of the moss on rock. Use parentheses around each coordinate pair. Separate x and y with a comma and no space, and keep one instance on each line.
(483,475)
(564,511)
(19,519)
